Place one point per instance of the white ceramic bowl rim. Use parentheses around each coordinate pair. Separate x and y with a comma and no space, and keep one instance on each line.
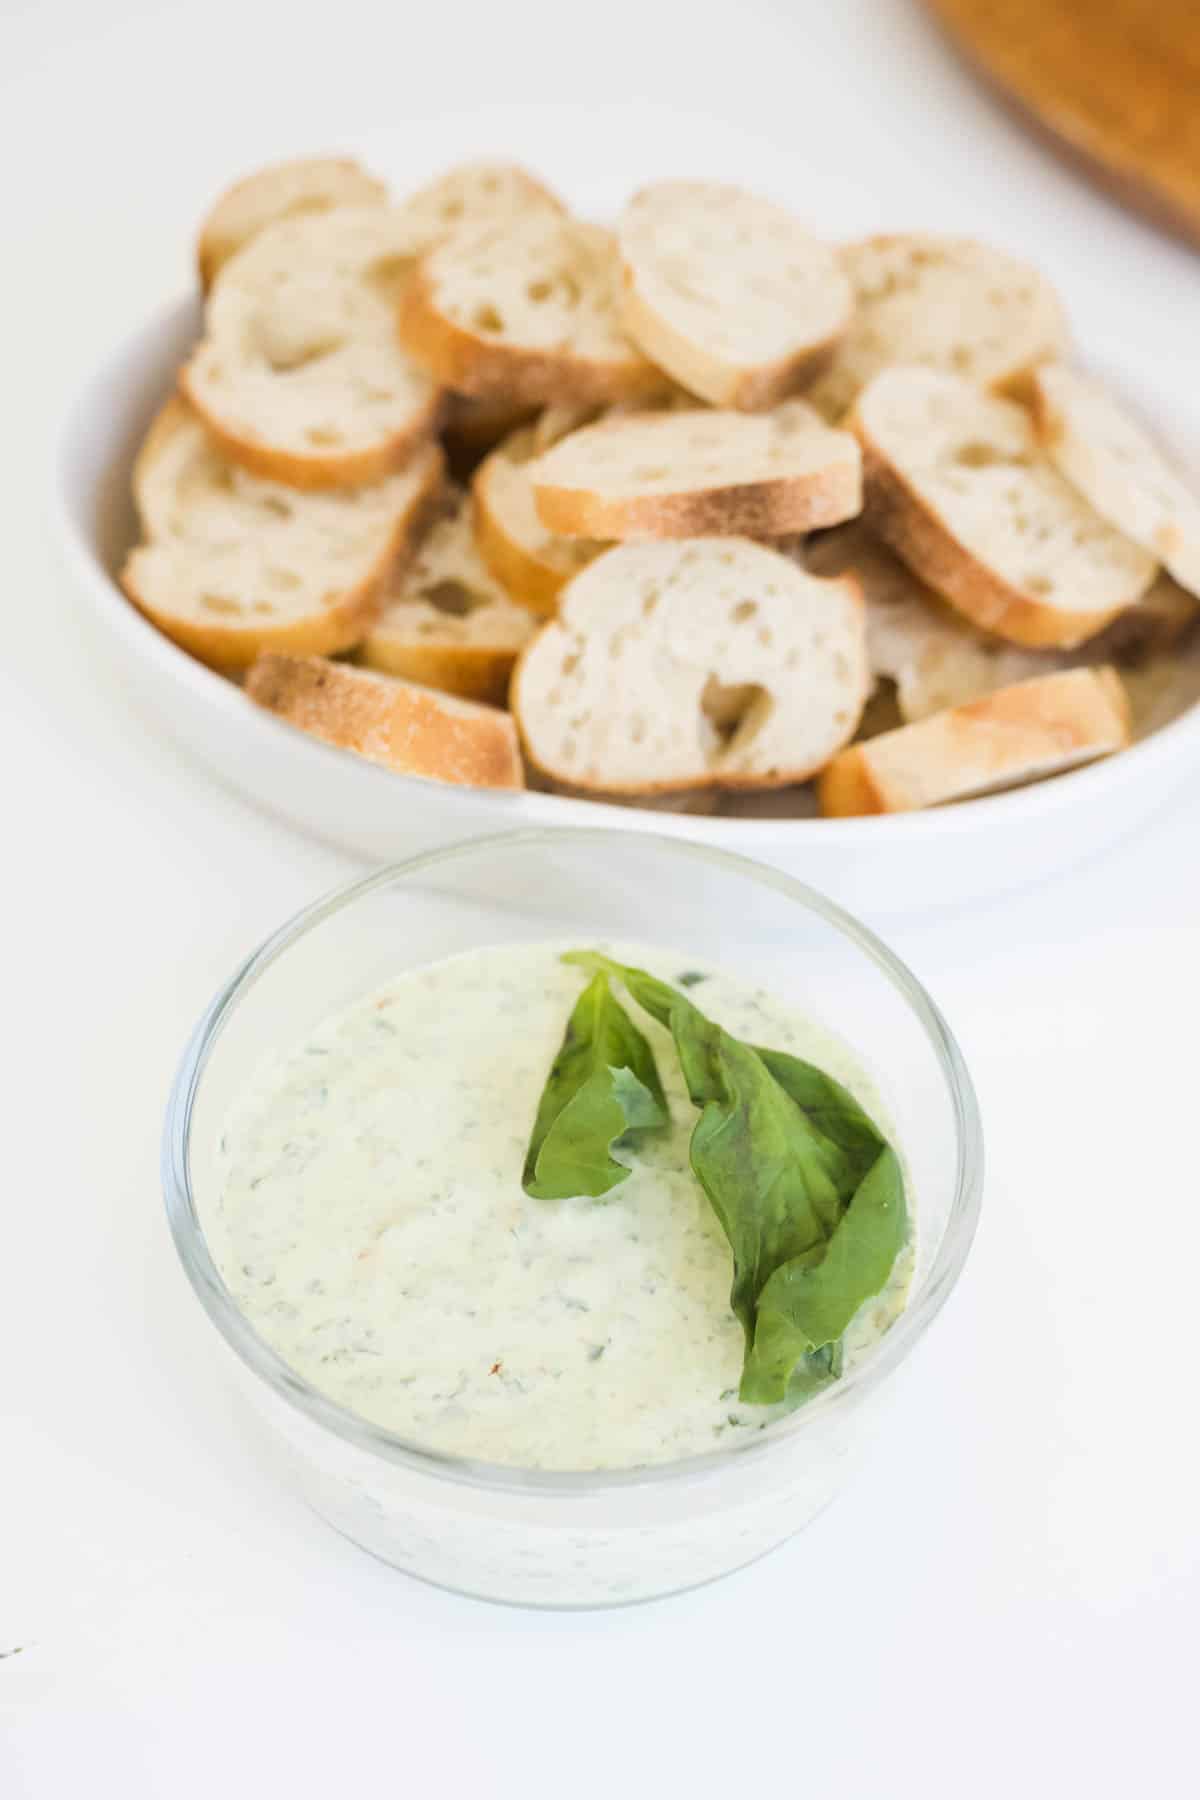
(265,1362)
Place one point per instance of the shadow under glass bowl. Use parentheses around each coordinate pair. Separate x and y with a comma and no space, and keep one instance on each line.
(539,1537)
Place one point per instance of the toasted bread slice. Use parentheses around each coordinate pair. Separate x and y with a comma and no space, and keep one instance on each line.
(1018,734)
(526,310)
(729,293)
(945,303)
(414,730)
(474,193)
(958,486)
(308,184)
(1119,469)
(711,663)
(445,621)
(697,474)
(299,376)
(533,563)
(934,657)
(555,422)
(233,565)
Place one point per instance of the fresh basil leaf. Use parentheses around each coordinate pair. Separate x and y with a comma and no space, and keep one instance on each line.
(806,1189)
(815,1370)
(828,1105)
(806,1305)
(776,1185)
(602,1084)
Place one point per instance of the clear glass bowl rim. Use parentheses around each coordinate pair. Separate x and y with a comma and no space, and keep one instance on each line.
(265,1363)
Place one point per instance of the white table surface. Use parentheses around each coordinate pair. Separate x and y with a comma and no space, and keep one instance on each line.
(1006,1602)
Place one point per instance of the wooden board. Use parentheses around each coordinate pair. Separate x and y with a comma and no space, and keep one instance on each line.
(1115,82)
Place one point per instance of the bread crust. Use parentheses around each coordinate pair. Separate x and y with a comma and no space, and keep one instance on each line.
(746,390)
(473,671)
(897,513)
(410,729)
(334,628)
(317,471)
(1040,334)
(531,579)
(216,243)
(713,778)
(1137,488)
(1020,733)
(673,226)
(753,509)
(722,782)
(473,364)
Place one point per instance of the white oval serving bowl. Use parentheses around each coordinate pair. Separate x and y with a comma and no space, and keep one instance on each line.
(873,865)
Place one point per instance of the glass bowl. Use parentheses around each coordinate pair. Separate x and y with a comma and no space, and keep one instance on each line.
(598,1538)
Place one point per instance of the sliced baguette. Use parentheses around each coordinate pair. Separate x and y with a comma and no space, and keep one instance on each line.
(526,310)
(445,621)
(559,421)
(958,486)
(945,303)
(712,663)
(727,292)
(233,565)
(696,474)
(931,654)
(1119,469)
(1018,734)
(473,193)
(933,658)
(308,184)
(299,376)
(532,562)
(411,729)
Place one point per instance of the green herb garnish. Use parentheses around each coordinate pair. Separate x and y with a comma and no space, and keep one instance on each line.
(603,1084)
(808,1192)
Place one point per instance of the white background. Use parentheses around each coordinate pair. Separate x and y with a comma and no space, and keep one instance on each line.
(1006,1602)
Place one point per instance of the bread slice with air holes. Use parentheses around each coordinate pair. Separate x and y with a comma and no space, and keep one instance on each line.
(526,310)
(411,729)
(696,474)
(945,303)
(710,663)
(299,376)
(560,420)
(307,184)
(1018,734)
(934,657)
(233,565)
(728,292)
(472,193)
(446,622)
(957,484)
(1118,468)
(532,562)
